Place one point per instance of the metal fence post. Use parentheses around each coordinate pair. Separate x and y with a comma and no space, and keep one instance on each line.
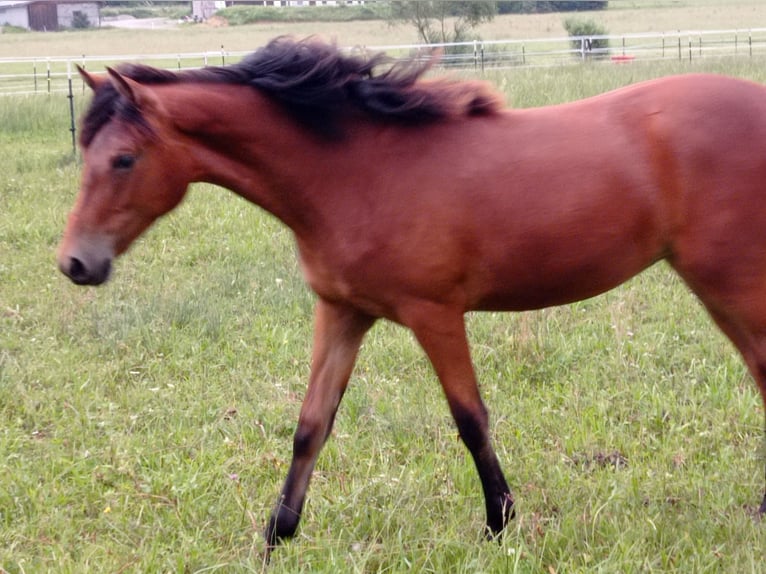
(70,96)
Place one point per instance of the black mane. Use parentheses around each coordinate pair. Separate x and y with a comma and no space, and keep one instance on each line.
(315,82)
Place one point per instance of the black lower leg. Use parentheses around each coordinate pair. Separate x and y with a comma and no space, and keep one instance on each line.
(499,502)
(497,495)
(282,524)
(286,516)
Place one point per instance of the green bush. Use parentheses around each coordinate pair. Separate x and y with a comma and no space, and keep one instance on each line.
(11,29)
(595,47)
(80,20)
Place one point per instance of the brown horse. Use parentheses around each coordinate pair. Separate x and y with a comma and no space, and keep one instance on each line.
(417,201)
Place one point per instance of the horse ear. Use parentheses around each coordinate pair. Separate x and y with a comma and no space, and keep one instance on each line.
(142,97)
(92,81)
(123,85)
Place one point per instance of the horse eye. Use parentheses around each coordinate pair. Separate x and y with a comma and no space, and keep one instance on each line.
(124,161)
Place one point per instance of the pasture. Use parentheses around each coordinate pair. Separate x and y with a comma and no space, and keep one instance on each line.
(147,425)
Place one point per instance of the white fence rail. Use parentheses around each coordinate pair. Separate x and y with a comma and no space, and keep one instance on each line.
(51,75)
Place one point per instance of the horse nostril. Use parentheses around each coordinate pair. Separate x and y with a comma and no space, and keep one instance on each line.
(76,271)
(76,268)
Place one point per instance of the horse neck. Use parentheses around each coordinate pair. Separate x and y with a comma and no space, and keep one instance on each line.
(240,140)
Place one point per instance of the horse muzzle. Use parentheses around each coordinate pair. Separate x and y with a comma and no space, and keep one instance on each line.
(85,274)
(86,260)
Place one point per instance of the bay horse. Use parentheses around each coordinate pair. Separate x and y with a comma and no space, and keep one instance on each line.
(417,200)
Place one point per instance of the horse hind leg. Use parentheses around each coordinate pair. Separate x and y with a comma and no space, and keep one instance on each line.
(750,339)
(441,333)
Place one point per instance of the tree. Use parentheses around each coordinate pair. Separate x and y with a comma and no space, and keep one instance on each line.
(443,21)
(577,28)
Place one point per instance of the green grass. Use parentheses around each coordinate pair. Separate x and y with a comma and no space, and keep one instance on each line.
(147,425)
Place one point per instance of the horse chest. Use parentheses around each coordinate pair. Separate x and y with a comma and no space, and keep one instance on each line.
(324,274)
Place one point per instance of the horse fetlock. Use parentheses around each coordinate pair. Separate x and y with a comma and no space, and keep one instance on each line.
(282,525)
(500,511)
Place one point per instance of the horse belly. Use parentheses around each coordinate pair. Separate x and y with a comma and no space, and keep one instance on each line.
(569,246)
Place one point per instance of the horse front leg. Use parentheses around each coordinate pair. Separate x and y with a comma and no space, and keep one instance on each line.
(441,333)
(338,333)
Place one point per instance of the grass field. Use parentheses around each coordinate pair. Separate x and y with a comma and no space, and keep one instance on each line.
(147,425)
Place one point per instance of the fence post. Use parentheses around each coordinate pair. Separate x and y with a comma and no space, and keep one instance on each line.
(48,74)
(34,73)
(223,56)
(70,95)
